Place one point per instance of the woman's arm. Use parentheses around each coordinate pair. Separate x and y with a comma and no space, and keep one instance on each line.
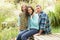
(19,21)
(34,19)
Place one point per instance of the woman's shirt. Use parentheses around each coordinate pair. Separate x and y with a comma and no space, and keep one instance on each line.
(22,21)
(33,22)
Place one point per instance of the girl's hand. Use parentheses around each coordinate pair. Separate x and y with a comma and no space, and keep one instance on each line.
(31,16)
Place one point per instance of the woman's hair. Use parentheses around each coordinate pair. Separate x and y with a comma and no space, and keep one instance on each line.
(31,9)
(25,9)
(22,8)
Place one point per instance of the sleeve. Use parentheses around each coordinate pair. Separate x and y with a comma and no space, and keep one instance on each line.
(18,21)
(28,23)
(43,21)
(19,18)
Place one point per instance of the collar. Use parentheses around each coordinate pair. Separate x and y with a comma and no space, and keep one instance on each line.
(40,13)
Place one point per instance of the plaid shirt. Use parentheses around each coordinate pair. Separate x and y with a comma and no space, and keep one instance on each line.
(44,22)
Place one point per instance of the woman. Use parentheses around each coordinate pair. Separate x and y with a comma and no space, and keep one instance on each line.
(33,25)
(22,19)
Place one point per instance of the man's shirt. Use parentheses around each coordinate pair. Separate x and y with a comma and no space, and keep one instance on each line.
(44,23)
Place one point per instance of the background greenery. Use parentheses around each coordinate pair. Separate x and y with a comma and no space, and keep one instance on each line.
(9,10)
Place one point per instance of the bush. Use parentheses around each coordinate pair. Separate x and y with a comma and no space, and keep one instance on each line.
(7,15)
(55,16)
(8,34)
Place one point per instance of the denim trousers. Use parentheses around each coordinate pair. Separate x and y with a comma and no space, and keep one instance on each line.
(24,35)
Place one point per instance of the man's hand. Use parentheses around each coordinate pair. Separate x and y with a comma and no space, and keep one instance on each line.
(40,32)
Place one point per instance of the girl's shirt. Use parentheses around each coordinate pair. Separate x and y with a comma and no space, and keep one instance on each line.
(33,22)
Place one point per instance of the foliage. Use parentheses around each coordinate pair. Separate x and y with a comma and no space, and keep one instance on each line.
(55,16)
(8,34)
(56,30)
(12,32)
(7,15)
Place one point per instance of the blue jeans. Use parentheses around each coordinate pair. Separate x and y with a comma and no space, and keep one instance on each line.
(24,35)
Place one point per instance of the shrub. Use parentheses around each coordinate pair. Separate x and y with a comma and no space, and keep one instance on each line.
(55,16)
(8,34)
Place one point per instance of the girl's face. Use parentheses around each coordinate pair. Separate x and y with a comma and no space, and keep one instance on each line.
(30,11)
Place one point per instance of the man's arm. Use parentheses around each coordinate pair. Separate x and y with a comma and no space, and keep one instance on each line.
(43,23)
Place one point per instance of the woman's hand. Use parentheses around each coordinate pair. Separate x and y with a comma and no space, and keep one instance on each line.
(32,16)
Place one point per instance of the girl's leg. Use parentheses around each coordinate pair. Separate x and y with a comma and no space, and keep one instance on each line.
(20,34)
(28,34)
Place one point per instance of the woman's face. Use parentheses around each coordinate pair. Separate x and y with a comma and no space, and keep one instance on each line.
(23,7)
(30,11)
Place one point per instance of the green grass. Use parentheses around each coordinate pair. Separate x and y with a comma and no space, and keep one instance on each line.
(56,30)
(8,34)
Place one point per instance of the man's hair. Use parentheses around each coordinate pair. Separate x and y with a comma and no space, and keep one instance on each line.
(38,6)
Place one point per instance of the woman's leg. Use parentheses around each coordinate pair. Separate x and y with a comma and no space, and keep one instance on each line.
(20,34)
(28,34)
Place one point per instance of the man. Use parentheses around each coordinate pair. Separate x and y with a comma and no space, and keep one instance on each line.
(44,25)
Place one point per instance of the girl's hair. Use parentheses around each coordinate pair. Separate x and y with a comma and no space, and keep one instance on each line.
(31,9)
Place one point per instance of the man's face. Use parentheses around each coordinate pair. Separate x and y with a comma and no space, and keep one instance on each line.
(38,9)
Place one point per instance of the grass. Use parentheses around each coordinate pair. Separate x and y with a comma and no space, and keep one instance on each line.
(12,32)
(8,34)
(56,30)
